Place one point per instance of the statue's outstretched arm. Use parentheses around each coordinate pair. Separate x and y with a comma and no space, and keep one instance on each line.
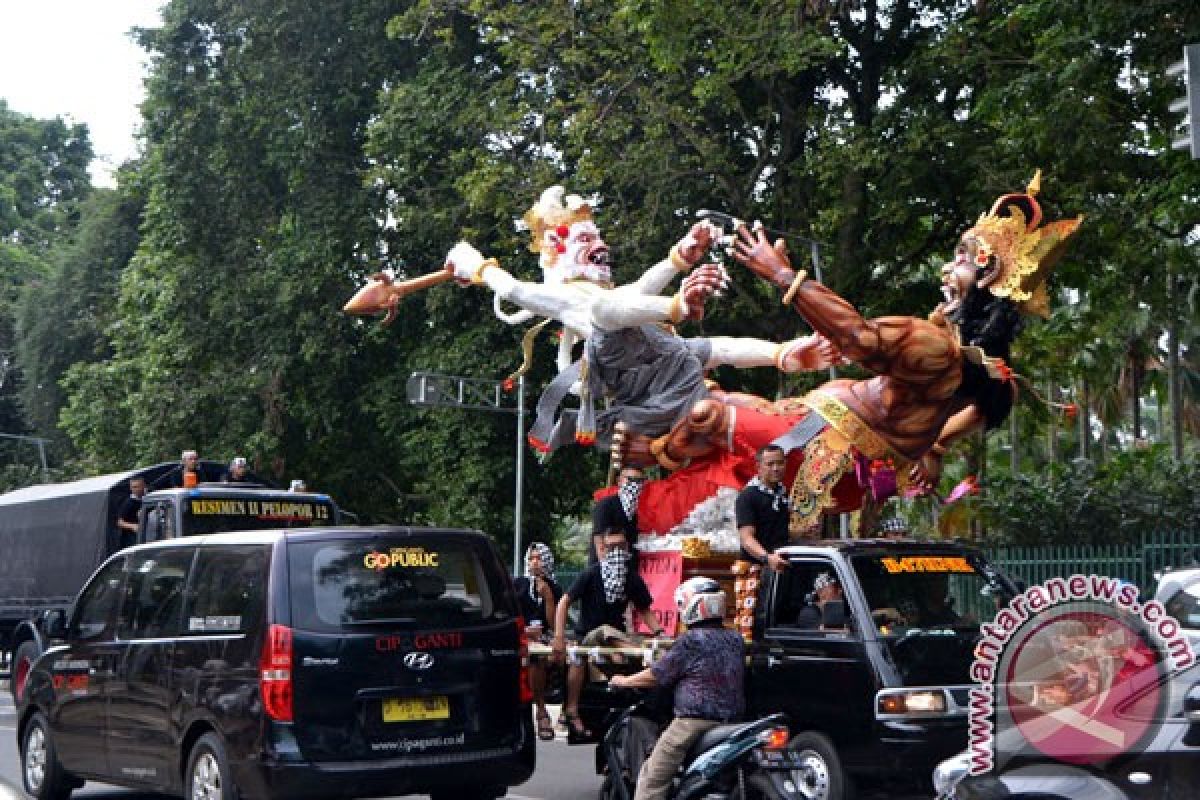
(563,302)
(686,253)
(831,316)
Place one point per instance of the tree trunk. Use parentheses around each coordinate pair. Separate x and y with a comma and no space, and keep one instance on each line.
(1174,390)
(1085,420)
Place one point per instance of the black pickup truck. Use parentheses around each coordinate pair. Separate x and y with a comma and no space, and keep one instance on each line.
(53,536)
(878,690)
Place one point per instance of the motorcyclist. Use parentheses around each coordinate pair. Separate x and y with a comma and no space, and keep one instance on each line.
(705,667)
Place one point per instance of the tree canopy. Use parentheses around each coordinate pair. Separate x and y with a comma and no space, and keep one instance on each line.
(291,150)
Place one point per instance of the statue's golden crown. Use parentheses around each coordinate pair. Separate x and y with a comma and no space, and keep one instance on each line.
(1025,250)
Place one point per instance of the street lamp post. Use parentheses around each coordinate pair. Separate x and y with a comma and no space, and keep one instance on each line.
(478,394)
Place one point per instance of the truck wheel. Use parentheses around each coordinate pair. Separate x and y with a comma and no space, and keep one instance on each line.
(208,775)
(43,776)
(23,658)
(820,775)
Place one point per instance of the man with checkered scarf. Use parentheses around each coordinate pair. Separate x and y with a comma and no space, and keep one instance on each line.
(605,591)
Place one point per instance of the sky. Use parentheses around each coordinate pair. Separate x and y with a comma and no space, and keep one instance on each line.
(74,59)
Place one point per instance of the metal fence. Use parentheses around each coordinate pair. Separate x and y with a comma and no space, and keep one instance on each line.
(1135,562)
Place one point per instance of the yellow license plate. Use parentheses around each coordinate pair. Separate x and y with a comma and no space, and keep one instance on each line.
(415,709)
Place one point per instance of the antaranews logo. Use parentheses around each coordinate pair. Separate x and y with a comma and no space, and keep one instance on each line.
(1074,669)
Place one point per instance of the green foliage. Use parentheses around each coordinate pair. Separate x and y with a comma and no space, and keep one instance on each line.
(43,179)
(293,149)
(1081,502)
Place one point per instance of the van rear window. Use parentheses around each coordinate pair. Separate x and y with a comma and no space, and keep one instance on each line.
(407,581)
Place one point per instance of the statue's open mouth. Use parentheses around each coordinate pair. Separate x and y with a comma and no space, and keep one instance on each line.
(953,297)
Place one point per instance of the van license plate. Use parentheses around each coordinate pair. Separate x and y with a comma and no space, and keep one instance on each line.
(415,709)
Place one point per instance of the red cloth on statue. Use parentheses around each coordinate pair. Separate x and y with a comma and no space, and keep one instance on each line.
(664,503)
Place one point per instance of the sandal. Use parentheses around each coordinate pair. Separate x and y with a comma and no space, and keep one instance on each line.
(576,730)
(545,727)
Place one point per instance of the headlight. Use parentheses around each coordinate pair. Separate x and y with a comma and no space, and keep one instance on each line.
(948,774)
(906,702)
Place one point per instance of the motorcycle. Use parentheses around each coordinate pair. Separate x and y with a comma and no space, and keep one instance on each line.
(738,761)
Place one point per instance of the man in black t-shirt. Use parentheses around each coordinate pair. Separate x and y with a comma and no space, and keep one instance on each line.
(761,514)
(619,512)
(762,510)
(605,591)
(127,516)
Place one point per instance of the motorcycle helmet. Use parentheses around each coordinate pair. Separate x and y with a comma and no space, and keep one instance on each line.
(699,599)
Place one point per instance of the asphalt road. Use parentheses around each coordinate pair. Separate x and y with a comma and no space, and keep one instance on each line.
(563,772)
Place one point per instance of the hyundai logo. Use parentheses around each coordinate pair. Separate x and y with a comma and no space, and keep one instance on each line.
(418,660)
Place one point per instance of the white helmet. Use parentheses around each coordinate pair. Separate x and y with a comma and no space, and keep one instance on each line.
(699,599)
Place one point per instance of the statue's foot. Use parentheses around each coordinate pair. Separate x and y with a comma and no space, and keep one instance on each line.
(631,449)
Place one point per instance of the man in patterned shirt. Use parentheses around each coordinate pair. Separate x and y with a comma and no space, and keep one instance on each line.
(706,667)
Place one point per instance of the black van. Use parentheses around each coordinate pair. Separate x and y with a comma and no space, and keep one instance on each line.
(321,662)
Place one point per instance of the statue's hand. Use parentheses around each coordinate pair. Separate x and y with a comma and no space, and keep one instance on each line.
(701,284)
(809,353)
(698,240)
(924,473)
(764,259)
(463,262)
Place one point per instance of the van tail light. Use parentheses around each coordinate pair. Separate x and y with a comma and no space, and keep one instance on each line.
(275,673)
(525,678)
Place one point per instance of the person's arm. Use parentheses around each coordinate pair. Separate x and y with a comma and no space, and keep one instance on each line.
(558,644)
(547,594)
(748,536)
(638,680)
(651,622)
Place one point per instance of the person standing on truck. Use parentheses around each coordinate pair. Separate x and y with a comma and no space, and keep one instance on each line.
(186,475)
(605,591)
(127,516)
(706,669)
(761,513)
(236,472)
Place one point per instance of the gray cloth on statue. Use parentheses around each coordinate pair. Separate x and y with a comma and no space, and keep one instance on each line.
(651,379)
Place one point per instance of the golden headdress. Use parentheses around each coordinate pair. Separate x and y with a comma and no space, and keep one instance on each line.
(1025,253)
(551,213)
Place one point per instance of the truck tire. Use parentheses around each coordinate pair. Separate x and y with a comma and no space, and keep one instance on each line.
(26,653)
(820,776)
(43,777)
(208,775)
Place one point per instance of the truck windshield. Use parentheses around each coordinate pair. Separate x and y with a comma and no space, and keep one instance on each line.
(216,515)
(907,591)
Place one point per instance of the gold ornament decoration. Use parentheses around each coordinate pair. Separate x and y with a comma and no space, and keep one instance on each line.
(1025,251)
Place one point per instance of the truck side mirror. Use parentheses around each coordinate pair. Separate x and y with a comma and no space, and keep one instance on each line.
(54,623)
(833,614)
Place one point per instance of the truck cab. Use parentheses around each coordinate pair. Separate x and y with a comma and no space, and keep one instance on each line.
(54,536)
(220,507)
(877,687)
(874,683)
